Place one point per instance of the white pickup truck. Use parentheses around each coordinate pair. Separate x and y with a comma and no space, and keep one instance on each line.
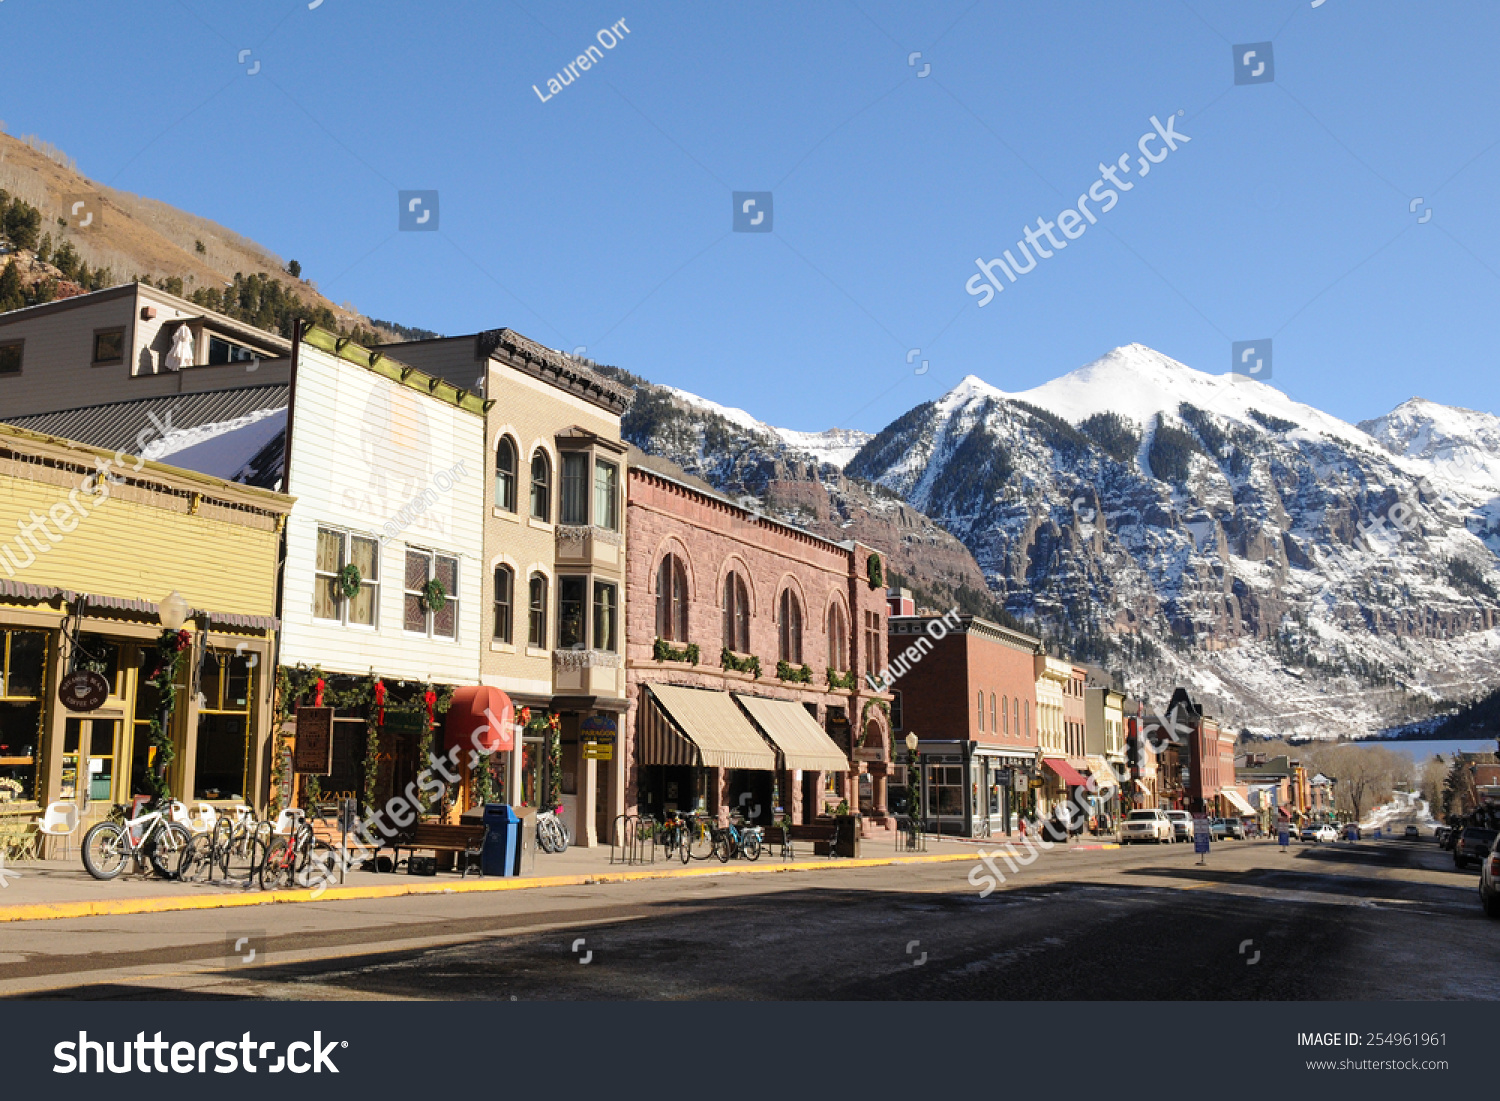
(1146,825)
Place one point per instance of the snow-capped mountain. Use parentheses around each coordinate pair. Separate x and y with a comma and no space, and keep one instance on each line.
(1460,444)
(1301,573)
(834,446)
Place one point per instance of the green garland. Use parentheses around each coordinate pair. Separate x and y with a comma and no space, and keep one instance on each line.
(169,658)
(729,660)
(875,570)
(662,650)
(786,671)
(849,680)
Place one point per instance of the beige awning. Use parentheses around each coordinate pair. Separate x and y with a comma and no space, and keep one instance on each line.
(695,726)
(803,743)
(1237,800)
(1103,775)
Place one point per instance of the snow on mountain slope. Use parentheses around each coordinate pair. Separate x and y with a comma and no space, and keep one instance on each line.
(1208,530)
(835,446)
(1461,444)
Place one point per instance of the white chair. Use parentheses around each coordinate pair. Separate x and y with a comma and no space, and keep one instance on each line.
(288,820)
(243,815)
(61,820)
(202,818)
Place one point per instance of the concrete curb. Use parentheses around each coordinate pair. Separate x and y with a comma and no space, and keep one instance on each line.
(42,911)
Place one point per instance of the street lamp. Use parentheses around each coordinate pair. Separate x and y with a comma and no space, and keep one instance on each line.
(172,611)
(914,776)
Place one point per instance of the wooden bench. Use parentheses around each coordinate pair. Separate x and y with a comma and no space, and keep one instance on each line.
(438,838)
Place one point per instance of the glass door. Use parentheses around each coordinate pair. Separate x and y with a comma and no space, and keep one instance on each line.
(104,741)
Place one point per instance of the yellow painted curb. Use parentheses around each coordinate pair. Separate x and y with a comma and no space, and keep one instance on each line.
(41,911)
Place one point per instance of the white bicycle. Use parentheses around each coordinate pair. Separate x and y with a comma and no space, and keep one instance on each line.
(552,832)
(145,838)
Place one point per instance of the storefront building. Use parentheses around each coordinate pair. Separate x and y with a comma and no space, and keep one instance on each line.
(100,551)
(1053,680)
(553,578)
(748,647)
(1104,740)
(971,702)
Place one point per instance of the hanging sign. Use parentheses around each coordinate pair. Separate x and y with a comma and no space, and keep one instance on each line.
(314,752)
(82,690)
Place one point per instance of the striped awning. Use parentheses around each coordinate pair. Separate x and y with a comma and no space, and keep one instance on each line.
(1237,801)
(802,742)
(695,726)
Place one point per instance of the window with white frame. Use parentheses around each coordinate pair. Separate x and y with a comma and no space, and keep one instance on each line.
(337,550)
(421,613)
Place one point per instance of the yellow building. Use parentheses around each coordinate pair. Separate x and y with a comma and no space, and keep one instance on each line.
(90,542)
(1052,678)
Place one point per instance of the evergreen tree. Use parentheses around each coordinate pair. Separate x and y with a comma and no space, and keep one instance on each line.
(12,295)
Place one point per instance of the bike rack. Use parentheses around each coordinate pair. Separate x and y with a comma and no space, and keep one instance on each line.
(910,837)
(628,845)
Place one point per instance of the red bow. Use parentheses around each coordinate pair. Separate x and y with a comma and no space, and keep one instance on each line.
(318,698)
(429,698)
(380,703)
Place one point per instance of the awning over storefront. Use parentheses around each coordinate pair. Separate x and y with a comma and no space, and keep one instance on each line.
(1103,774)
(695,726)
(803,743)
(1065,772)
(1237,801)
(1283,812)
(482,718)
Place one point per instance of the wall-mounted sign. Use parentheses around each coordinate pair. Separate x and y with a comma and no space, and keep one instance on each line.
(597,747)
(82,690)
(314,752)
(598,724)
(869,753)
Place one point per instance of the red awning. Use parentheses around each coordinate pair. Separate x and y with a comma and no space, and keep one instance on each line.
(480,718)
(1283,812)
(1066,772)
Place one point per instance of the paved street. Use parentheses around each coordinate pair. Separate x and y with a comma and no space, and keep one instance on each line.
(1378,919)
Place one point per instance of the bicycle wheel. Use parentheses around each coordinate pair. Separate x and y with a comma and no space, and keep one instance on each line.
(721,846)
(197,862)
(684,845)
(562,837)
(700,841)
(320,867)
(556,842)
(105,850)
(750,846)
(237,858)
(165,849)
(219,841)
(278,871)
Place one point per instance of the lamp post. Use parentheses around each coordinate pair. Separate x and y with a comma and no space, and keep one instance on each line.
(173,611)
(914,777)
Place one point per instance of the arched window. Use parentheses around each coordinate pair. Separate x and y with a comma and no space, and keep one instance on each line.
(790,628)
(1026,730)
(505,593)
(541,486)
(838,639)
(994,727)
(537,632)
(736,614)
(505,475)
(1005,716)
(672,600)
(981,712)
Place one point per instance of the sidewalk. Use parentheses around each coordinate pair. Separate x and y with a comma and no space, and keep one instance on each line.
(37,890)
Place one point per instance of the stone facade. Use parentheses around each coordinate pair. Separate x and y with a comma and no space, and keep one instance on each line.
(710,537)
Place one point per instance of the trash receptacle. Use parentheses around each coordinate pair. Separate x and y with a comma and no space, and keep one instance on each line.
(502,844)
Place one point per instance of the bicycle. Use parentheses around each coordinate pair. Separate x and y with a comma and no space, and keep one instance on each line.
(552,832)
(147,838)
(699,844)
(673,836)
(298,859)
(731,840)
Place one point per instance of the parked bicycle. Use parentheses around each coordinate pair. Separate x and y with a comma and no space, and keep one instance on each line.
(552,832)
(148,838)
(737,839)
(298,859)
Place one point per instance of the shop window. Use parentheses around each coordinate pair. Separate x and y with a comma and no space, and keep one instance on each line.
(537,628)
(505,475)
(227,685)
(541,486)
(572,592)
(573,506)
(336,550)
(606,495)
(736,614)
(672,599)
(789,628)
(423,567)
(838,639)
(23,656)
(605,615)
(505,593)
(109,347)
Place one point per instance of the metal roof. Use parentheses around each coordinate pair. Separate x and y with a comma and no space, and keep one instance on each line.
(118,426)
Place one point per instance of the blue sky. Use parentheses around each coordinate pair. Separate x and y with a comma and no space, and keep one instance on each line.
(601,218)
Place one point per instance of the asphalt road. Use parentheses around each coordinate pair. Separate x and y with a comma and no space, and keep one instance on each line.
(1371,920)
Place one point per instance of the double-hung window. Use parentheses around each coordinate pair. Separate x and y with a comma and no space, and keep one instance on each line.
(338,550)
(420,613)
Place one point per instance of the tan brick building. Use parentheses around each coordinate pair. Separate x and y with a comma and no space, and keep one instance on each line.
(712,586)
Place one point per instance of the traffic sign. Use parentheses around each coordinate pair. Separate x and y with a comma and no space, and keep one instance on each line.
(1202,833)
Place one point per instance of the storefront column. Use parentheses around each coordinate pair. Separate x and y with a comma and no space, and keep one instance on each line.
(879,781)
(55,717)
(185,725)
(588,802)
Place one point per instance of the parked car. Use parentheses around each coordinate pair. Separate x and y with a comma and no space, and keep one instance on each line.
(1474,843)
(1182,824)
(1441,835)
(1306,832)
(1489,882)
(1412,833)
(1225,828)
(1325,832)
(1146,825)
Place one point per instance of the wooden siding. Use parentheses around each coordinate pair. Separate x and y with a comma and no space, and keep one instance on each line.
(364,448)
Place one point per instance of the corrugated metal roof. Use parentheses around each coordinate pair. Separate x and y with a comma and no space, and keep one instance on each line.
(118,425)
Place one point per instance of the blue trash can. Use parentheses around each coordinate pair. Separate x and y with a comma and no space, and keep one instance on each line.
(502,844)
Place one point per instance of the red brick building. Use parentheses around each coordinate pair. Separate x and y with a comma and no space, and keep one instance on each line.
(1075,718)
(747,642)
(967,688)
